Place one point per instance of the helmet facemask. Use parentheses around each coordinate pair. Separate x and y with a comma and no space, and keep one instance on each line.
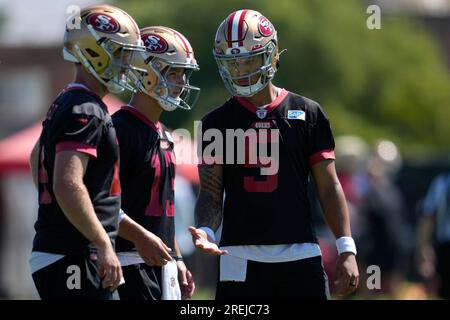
(117,74)
(169,92)
(258,67)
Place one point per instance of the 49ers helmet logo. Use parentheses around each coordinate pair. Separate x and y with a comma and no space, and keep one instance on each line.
(155,43)
(103,22)
(265,27)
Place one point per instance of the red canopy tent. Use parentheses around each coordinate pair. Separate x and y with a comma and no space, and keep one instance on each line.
(15,149)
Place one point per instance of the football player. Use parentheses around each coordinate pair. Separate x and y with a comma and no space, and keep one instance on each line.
(75,163)
(147,166)
(268,246)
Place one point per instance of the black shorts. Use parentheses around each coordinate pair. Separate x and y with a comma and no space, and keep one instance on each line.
(142,282)
(301,279)
(57,281)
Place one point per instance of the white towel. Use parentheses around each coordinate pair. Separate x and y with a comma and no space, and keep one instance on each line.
(232,268)
(170,287)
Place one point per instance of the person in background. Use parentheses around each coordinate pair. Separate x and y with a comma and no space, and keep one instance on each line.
(433,234)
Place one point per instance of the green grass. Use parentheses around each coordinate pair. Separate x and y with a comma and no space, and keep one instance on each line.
(203,294)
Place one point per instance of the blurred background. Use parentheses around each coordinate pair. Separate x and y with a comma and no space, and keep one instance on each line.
(386,91)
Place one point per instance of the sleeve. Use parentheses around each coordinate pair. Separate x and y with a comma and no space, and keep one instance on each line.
(433,196)
(321,141)
(81,130)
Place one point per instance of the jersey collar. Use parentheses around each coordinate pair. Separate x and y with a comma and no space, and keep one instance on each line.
(269,108)
(79,86)
(156,126)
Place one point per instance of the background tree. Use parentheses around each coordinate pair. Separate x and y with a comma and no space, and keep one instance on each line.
(389,83)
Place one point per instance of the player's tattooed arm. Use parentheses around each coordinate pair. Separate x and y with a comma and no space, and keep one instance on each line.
(208,209)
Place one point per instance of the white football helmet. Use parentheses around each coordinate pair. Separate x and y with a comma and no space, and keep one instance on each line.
(246,52)
(168,56)
(103,41)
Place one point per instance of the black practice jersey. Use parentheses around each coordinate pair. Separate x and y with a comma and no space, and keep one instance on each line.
(78,120)
(262,206)
(147,174)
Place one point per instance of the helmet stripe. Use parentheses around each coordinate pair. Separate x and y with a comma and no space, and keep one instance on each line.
(241,28)
(236,19)
(186,44)
(230,28)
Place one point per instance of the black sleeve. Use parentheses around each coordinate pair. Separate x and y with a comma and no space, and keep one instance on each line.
(320,134)
(81,125)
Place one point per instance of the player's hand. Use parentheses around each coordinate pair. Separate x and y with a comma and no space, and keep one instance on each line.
(186,281)
(109,268)
(203,242)
(425,260)
(347,274)
(152,249)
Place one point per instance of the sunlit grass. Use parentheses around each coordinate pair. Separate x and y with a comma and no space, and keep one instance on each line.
(203,294)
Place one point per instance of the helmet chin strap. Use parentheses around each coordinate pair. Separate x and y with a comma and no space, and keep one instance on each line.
(164,102)
(166,106)
(168,103)
(248,91)
(114,87)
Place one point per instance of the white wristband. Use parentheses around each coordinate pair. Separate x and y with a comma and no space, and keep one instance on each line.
(122,215)
(346,244)
(209,232)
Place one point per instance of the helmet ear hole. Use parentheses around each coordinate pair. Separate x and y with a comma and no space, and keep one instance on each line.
(92,53)
(277,64)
